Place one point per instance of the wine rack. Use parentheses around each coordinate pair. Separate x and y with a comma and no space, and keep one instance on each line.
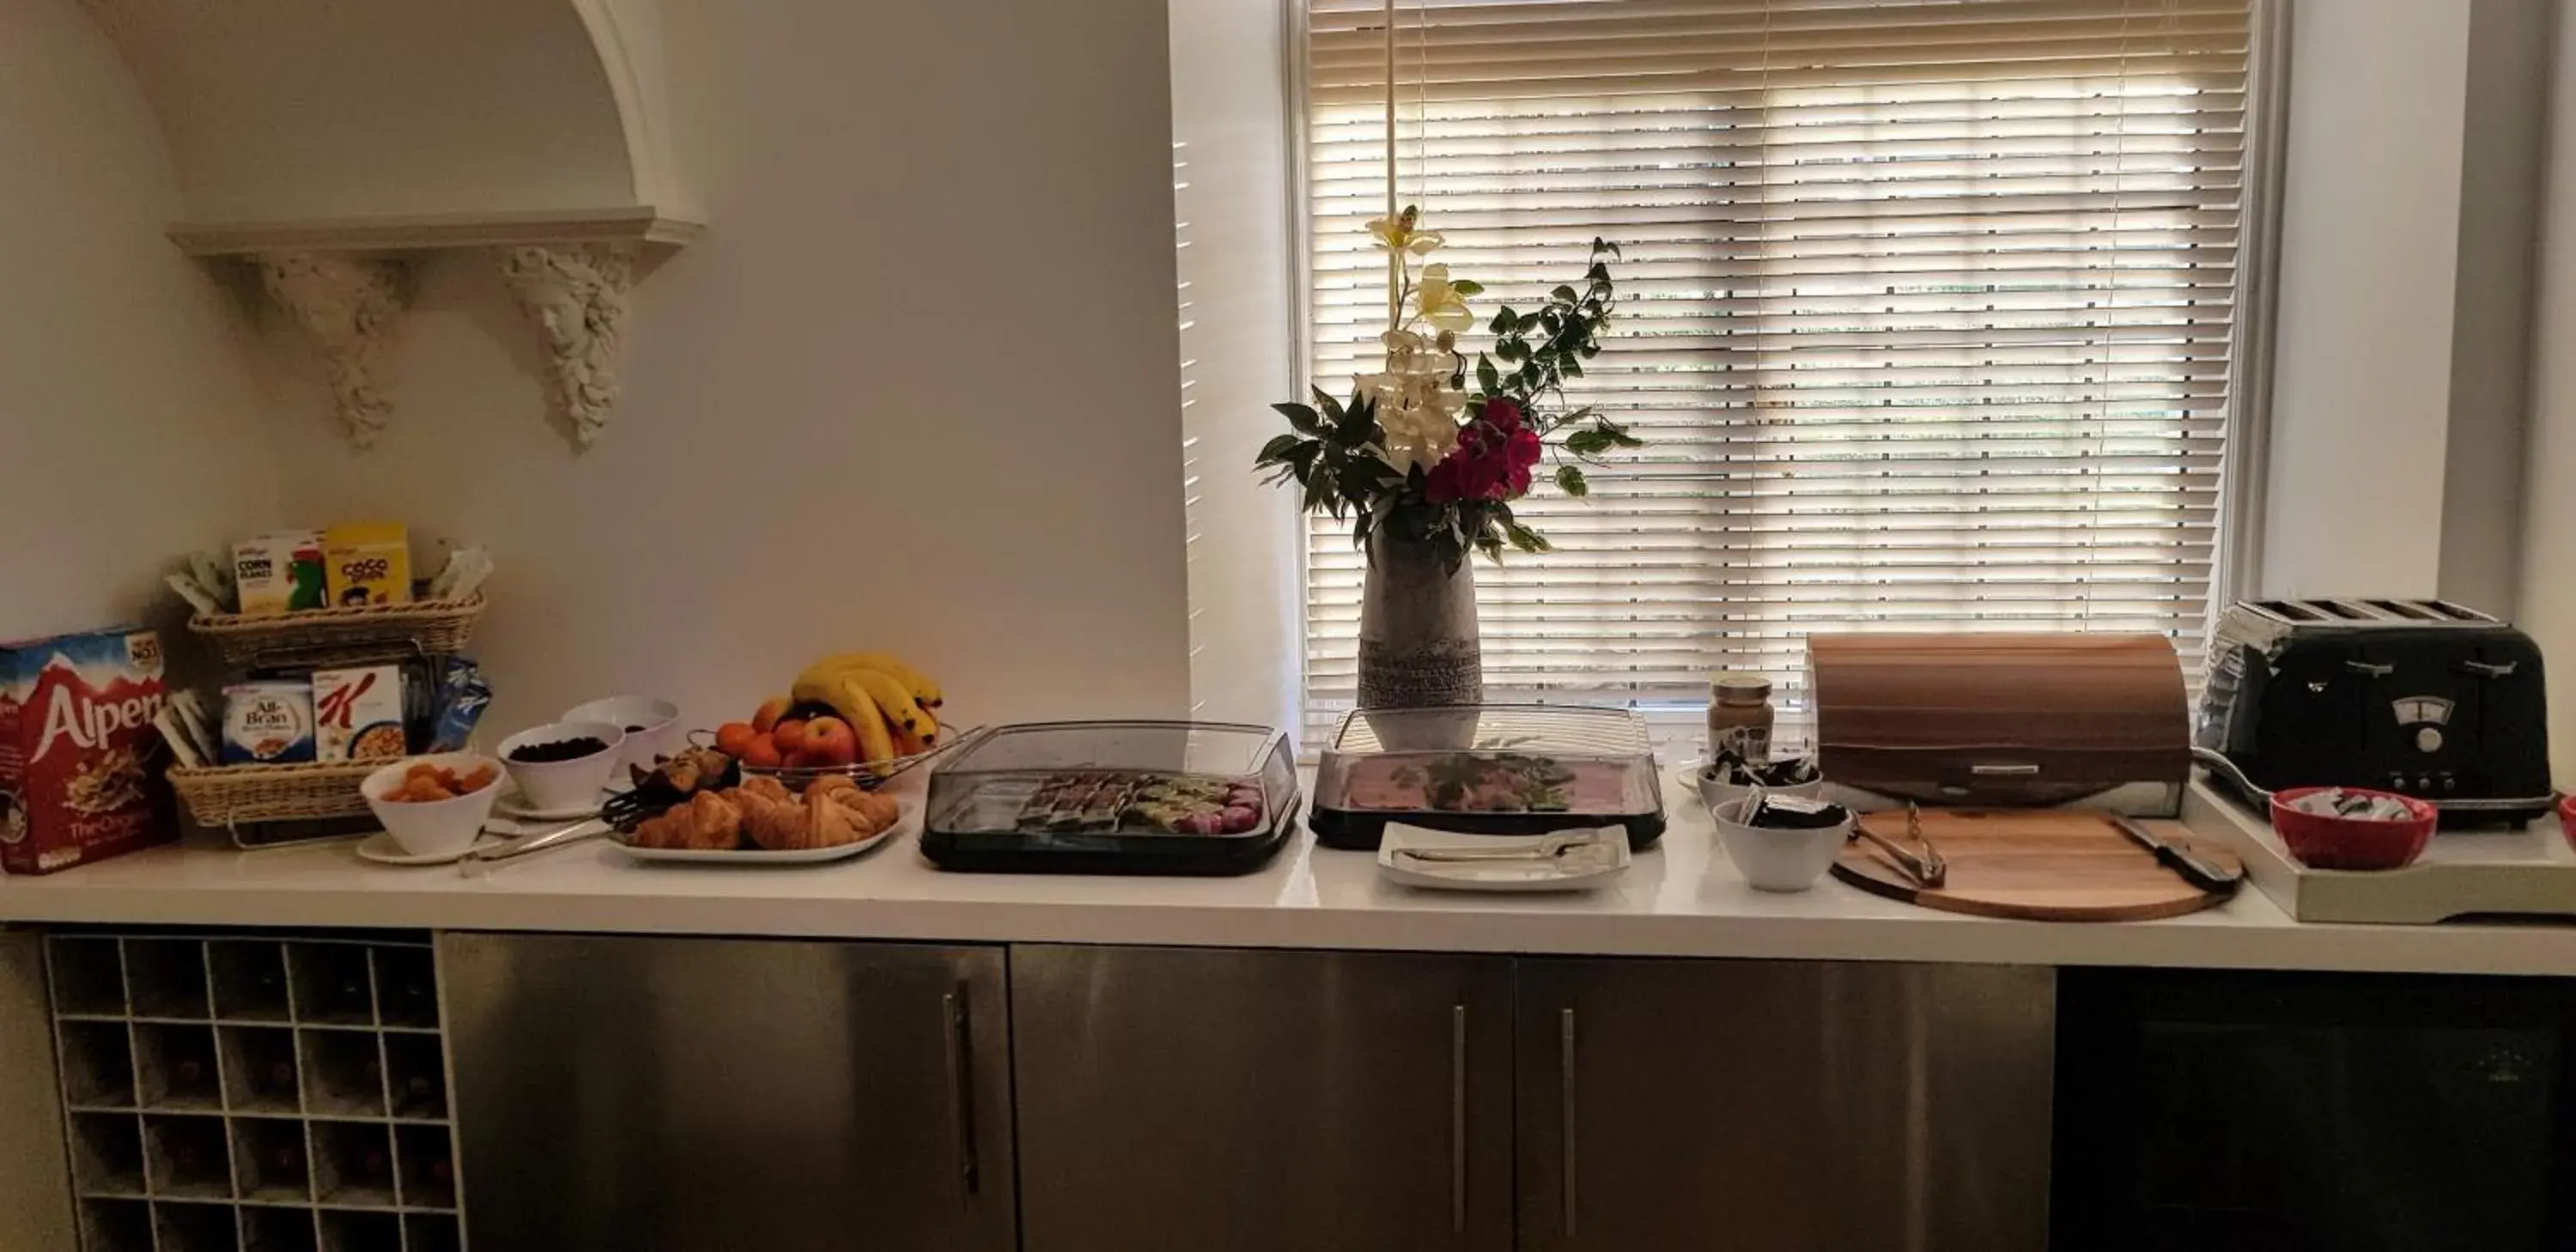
(242,1093)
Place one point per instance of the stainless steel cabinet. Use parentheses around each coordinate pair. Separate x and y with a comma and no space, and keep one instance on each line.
(1779,1106)
(1250,1101)
(704,1095)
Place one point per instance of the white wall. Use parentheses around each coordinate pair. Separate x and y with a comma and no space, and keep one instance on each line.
(300,109)
(130,427)
(2370,230)
(2548,608)
(2502,161)
(915,388)
(1232,197)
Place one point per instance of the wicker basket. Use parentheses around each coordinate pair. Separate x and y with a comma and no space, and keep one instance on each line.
(351,636)
(228,796)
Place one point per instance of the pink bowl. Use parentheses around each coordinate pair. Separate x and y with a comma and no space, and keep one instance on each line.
(2567,818)
(2322,842)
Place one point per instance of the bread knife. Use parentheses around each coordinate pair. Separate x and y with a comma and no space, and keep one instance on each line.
(2193,870)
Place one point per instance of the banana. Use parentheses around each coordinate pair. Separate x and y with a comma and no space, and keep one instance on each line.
(891,697)
(924,692)
(855,706)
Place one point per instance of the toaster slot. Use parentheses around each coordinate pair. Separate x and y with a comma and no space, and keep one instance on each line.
(2407,609)
(2289,610)
(2453,612)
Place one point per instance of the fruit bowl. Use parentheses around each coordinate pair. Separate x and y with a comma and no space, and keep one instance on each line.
(2327,841)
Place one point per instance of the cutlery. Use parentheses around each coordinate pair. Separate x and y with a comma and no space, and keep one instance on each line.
(2192,869)
(1929,868)
(1555,847)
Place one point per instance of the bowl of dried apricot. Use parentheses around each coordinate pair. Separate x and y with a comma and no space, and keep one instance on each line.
(435,805)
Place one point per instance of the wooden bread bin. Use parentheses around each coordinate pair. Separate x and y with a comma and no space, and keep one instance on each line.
(1999,720)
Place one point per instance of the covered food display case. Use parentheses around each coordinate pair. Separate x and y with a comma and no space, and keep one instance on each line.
(1114,797)
(1498,769)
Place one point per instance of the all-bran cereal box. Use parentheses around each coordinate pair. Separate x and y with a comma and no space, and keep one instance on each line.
(79,758)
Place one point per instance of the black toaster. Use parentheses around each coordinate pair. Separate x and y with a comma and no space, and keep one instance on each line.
(2421,697)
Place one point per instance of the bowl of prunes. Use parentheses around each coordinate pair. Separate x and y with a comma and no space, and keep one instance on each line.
(562,766)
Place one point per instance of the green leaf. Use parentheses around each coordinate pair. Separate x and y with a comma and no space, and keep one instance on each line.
(1619,434)
(1588,442)
(1573,368)
(1563,295)
(1301,417)
(1466,286)
(1487,380)
(1276,451)
(1525,539)
(1331,407)
(1570,481)
(1511,350)
(1504,321)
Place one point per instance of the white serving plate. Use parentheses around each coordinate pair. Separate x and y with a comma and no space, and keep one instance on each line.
(908,821)
(1578,875)
(513,806)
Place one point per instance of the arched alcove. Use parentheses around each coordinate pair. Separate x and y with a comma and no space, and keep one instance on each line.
(337,145)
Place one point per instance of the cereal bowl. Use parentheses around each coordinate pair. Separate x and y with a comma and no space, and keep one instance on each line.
(433,827)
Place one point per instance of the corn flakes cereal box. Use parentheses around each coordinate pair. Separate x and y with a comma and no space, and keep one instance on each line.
(80,761)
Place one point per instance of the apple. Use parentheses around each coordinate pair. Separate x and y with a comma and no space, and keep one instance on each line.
(771,711)
(789,735)
(833,740)
(733,738)
(762,752)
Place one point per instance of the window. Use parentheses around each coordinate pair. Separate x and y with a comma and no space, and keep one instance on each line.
(1926,311)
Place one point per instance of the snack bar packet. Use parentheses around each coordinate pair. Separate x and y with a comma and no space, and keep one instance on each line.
(462,696)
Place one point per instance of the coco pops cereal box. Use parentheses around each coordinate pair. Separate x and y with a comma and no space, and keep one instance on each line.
(79,758)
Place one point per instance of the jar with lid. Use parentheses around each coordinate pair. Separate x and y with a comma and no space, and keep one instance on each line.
(1739,718)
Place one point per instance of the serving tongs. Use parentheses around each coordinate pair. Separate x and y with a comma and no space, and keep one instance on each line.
(1928,868)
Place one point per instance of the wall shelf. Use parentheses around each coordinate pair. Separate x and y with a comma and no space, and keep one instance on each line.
(642,224)
(348,280)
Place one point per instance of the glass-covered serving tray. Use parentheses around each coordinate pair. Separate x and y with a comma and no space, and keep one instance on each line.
(1494,769)
(1114,797)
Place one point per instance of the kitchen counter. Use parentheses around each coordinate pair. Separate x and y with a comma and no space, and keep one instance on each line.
(1679,900)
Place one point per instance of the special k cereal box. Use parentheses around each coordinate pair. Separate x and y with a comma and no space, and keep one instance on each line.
(79,758)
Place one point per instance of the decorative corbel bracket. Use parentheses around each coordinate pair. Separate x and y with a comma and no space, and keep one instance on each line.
(576,296)
(349,305)
(347,280)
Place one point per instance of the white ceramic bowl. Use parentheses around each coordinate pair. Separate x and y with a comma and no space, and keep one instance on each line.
(434,827)
(652,726)
(1778,860)
(1717,794)
(562,786)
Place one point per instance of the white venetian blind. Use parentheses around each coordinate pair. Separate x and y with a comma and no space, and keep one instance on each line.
(1925,311)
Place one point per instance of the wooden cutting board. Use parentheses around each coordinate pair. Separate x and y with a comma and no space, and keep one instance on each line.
(2058,865)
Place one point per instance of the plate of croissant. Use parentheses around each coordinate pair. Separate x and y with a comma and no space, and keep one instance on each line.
(759,821)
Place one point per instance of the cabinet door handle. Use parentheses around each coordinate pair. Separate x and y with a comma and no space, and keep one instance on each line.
(1565,1092)
(959,1044)
(1458,1119)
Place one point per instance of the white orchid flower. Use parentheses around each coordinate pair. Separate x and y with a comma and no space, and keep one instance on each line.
(1442,304)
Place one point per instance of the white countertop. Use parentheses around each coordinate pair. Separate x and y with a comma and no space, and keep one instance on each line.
(1680,900)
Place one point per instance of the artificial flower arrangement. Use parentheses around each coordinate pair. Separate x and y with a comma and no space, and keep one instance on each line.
(1416,456)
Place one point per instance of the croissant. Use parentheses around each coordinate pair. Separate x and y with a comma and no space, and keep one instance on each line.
(882,809)
(771,815)
(709,822)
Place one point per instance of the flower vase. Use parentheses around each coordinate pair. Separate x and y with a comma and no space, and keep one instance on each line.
(1418,640)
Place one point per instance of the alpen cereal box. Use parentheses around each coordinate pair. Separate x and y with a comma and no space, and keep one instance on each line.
(79,758)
